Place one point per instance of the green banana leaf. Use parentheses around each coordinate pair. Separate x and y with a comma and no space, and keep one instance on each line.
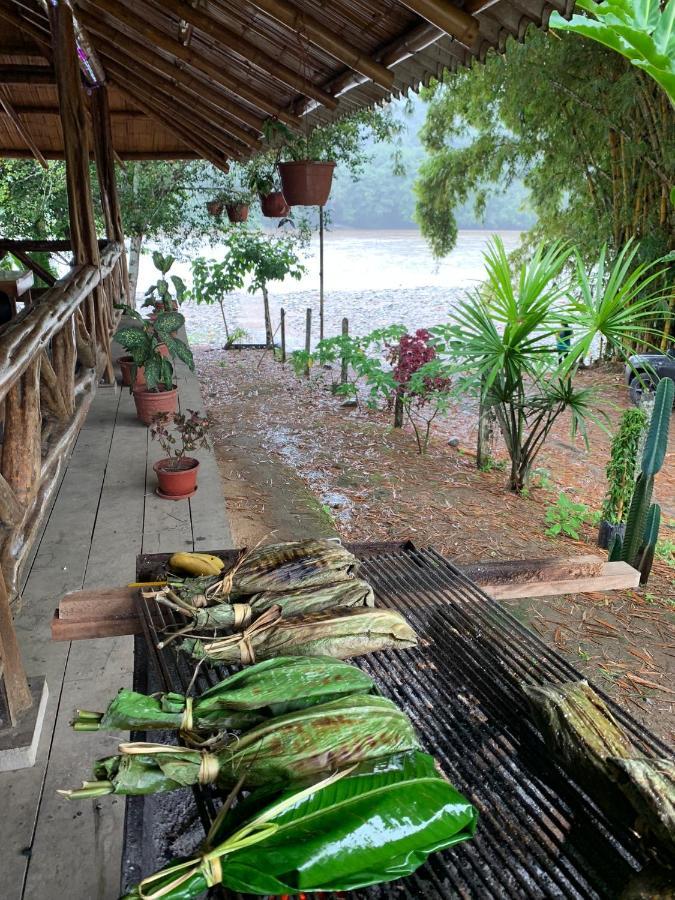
(267,689)
(285,749)
(375,825)
(340,633)
(293,565)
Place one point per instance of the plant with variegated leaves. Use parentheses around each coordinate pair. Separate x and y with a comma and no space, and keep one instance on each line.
(144,343)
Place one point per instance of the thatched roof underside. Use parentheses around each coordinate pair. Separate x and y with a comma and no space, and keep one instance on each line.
(183,75)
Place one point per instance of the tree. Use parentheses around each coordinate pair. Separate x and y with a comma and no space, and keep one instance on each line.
(502,338)
(264,259)
(212,280)
(592,137)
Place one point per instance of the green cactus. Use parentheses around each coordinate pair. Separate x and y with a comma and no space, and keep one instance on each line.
(642,526)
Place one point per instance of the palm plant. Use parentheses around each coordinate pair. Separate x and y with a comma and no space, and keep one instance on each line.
(503,339)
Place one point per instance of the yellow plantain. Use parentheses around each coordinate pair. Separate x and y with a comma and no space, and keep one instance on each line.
(196,563)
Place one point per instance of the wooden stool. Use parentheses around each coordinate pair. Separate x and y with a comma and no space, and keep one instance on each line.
(14,286)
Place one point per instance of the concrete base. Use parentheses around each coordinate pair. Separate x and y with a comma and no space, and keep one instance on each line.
(18,745)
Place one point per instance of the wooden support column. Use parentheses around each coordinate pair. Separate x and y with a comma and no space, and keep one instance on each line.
(75,148)
(21,448)
(105,167)
(11,668)
(64,354)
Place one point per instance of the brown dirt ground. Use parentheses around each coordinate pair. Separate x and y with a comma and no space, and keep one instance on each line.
(296,463)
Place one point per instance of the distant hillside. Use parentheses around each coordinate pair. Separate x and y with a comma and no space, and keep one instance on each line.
(380,199)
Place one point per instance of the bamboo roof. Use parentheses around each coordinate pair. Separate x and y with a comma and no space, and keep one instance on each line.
(200,77)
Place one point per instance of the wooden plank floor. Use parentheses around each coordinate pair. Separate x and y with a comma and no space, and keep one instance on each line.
(104,514)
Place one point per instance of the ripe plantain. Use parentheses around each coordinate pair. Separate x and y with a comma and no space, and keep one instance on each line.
(196,563)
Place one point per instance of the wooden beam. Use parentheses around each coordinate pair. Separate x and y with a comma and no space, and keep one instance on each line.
(47,111)
(310,28)
(125,155)
(205,151)
(33,31)
(615,576)
(216,73)
(473,7)
(16,684)
(248,51)
(26,75)
(21,457)
(109,38)
(35,267)
(448,17)
(167,86)
(21,127)
(11,511)
(519,571)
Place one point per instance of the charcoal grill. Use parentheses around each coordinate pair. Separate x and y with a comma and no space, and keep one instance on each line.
(539,833)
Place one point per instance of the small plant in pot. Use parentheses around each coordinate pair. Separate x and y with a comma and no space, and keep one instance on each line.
(306,166)
(621,473)
(159,296)
(263,180)
(152,345)
(179,435)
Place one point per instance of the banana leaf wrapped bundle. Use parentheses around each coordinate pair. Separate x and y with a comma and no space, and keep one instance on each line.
(351,830)
(222,613)
(288,748)
(270,688)
(649,784)
(341,633)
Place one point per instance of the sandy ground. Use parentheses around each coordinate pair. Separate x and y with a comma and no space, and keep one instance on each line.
(297,463)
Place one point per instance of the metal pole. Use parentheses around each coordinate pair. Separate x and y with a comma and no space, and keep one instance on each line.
(321,273)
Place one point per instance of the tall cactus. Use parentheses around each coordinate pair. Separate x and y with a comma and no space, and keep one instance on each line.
(642,526)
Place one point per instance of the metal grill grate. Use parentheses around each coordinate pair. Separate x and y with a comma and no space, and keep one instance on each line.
(539,835)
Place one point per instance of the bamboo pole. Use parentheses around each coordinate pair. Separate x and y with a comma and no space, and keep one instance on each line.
(308,27)
(250,52)
(216,73)
(21,128)
(283,335)
(308,338)
(448,17)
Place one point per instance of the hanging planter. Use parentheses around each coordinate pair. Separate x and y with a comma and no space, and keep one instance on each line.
(306,183)
(176,483)
(215,207)
(150,403)
(273,205)
(237,212)
(125,364)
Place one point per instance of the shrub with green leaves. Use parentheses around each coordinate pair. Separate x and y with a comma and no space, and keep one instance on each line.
(159,295)
(566,517)
(143,343)
(622,467)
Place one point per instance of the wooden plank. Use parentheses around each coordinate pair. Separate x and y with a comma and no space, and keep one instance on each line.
(615,576)
(522,570)
(70,630)
(98,603)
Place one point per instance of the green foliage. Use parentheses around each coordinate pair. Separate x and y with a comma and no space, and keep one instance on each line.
(641,30)
(566,517)
(263,258)
(622,465)
(159,295)
(642,526)
(665,551)
(143,343)
(595,152)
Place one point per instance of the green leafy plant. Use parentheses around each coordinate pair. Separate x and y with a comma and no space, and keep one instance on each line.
(144,343)
(641,30)
(566,517)
(642,526)
(159,296)
(179,434)
(212,280)
(262,176)
(622,466)
(665,551)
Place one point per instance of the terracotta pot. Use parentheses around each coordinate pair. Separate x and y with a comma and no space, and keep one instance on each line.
(149,403)
(306,183)
(274,205)
(215,207)
(125,364)
(237,212)
(176,484)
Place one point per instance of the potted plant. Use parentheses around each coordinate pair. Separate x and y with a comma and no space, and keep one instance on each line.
(178,435)
(215,207)
(621,473)
(263,180)
(152,345)
(306,166)
(159,296)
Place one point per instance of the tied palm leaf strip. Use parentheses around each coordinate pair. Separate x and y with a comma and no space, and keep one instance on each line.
(267,689)
(224,614)
(372,825)
(303,744)
(340,633)
(583,735)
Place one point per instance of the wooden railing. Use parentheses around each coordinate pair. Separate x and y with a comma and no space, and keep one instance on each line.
(51,358)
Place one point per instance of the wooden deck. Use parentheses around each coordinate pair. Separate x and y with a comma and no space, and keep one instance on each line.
(105,513)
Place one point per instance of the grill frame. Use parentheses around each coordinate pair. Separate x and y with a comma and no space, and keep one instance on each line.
(540,834)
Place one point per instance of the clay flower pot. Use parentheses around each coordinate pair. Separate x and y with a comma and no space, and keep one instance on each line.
(274,205)
(149,403)
(237,212)
(176,484)
(306,183)
(215,207)
(125,364)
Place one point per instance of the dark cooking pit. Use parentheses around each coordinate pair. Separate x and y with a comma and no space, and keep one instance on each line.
(539,834)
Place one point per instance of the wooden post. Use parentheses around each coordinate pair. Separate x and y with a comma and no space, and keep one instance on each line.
(11,669)
(398,410)
(283,335)
(21,448)
(486,425)
(321,273)
(344,374)
(75,147)
(308,338)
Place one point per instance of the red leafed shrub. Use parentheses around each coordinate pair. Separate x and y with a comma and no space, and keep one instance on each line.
(412,352)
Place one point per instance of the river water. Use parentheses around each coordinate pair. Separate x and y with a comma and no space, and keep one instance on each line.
(374,278)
